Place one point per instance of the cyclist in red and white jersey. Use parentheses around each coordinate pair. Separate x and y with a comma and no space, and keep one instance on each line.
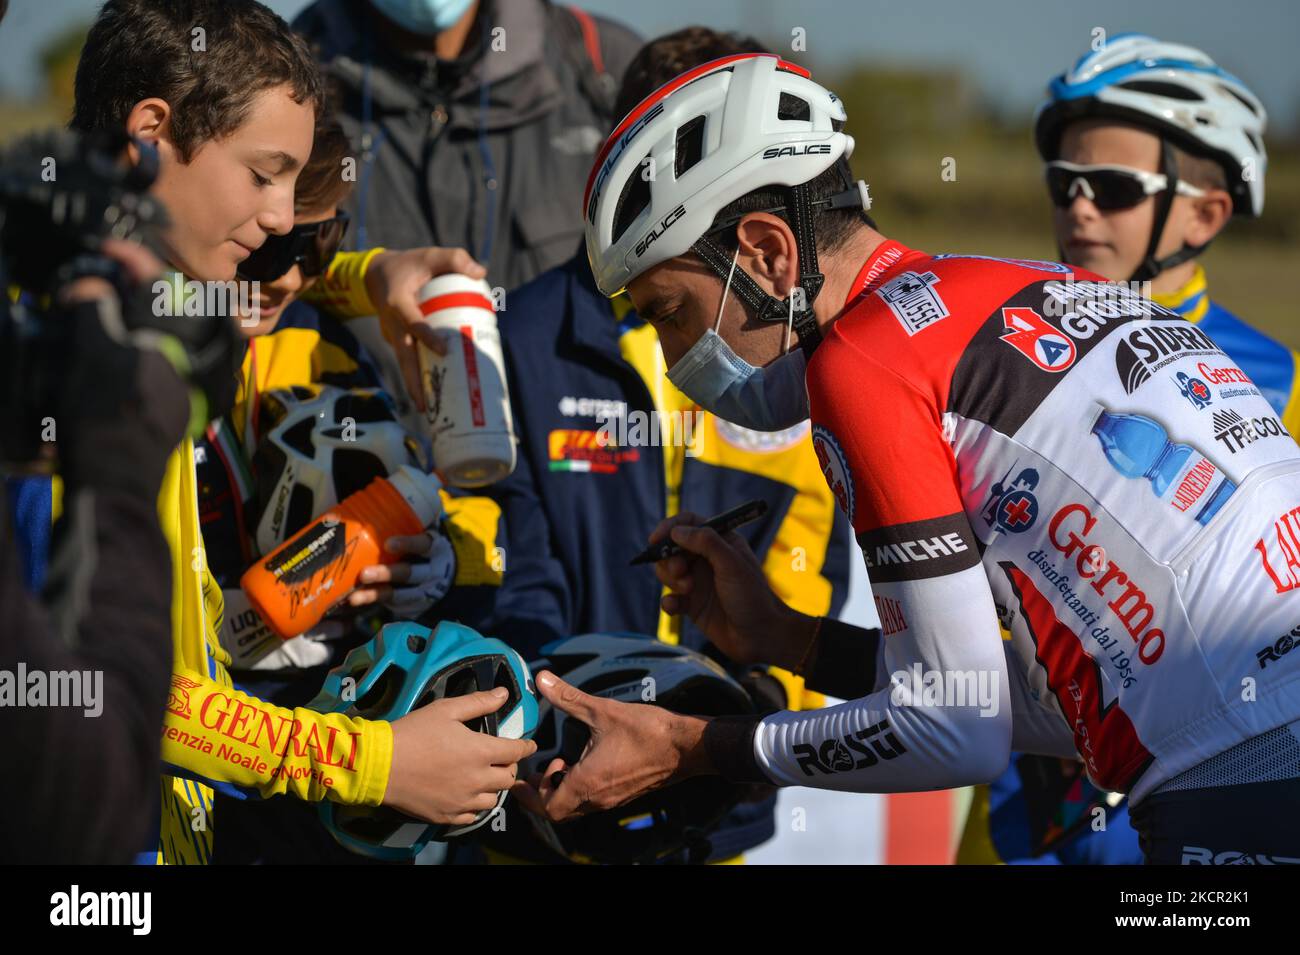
(1013,441)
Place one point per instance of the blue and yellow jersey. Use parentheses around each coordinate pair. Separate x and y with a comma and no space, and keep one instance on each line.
(1271,365)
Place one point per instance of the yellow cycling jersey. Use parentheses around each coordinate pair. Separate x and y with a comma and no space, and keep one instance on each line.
(217,737)
(214,734)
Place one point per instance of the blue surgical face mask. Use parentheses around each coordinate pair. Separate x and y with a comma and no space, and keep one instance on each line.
(771,398)
(426,17)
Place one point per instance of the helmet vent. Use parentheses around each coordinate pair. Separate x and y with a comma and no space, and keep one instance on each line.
(633,201)
(298,437)
(299,511)
(1254,111)
(690,145)
(381,694)
(362,408)
(353,470)
(792,107)
(1167,90)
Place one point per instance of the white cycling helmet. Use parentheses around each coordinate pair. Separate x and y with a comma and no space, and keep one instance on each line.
(322,444)
(712,135)
(1179,92)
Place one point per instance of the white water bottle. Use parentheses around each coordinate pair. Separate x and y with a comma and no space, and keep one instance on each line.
(468,404)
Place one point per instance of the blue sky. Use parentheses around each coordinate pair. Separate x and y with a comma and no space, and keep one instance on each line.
(1009,47)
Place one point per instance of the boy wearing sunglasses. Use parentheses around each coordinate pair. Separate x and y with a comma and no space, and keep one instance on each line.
(1150,149)
(292,342)
(288,343)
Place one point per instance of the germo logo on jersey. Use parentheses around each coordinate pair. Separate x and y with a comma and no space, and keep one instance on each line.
(1030,334)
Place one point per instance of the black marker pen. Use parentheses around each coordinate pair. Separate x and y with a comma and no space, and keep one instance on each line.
(724,522)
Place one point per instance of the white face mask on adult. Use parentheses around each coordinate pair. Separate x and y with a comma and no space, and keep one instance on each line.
(771,398)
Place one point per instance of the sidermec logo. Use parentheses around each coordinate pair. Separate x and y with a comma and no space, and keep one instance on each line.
(1144,351)
(616,151)
(1131,605)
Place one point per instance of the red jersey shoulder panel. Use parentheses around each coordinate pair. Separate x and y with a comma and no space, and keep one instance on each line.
(878,388)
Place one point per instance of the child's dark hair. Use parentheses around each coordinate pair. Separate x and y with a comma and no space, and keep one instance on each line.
(208,59)
(321,184)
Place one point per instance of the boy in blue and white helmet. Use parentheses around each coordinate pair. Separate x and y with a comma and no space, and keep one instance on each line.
(1151,148)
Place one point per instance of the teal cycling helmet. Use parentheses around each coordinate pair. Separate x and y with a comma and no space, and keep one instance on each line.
(669,824)
(403,668)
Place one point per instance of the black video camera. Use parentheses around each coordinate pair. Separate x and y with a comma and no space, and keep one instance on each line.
(61,195)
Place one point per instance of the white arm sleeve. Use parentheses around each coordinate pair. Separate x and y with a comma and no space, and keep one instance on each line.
(943,721)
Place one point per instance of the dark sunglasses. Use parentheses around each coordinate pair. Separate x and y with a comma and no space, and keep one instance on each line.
(1108,187)
(310,246)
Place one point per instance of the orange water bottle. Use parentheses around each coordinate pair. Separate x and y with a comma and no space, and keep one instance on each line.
(302,579)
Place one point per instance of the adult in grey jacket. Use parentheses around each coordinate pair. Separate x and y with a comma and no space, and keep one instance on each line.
(479,136)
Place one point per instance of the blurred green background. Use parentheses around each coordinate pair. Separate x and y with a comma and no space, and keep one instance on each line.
(907,122)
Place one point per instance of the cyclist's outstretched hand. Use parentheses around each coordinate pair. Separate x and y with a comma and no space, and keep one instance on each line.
(633,749)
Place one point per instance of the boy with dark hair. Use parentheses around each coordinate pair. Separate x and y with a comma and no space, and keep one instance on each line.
(229,97)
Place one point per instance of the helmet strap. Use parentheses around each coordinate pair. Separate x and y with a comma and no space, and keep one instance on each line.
(766,307)
(1151,266)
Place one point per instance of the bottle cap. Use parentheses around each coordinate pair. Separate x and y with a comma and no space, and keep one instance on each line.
(420,491)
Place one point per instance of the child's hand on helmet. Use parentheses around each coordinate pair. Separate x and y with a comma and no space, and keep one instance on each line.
(443,771)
